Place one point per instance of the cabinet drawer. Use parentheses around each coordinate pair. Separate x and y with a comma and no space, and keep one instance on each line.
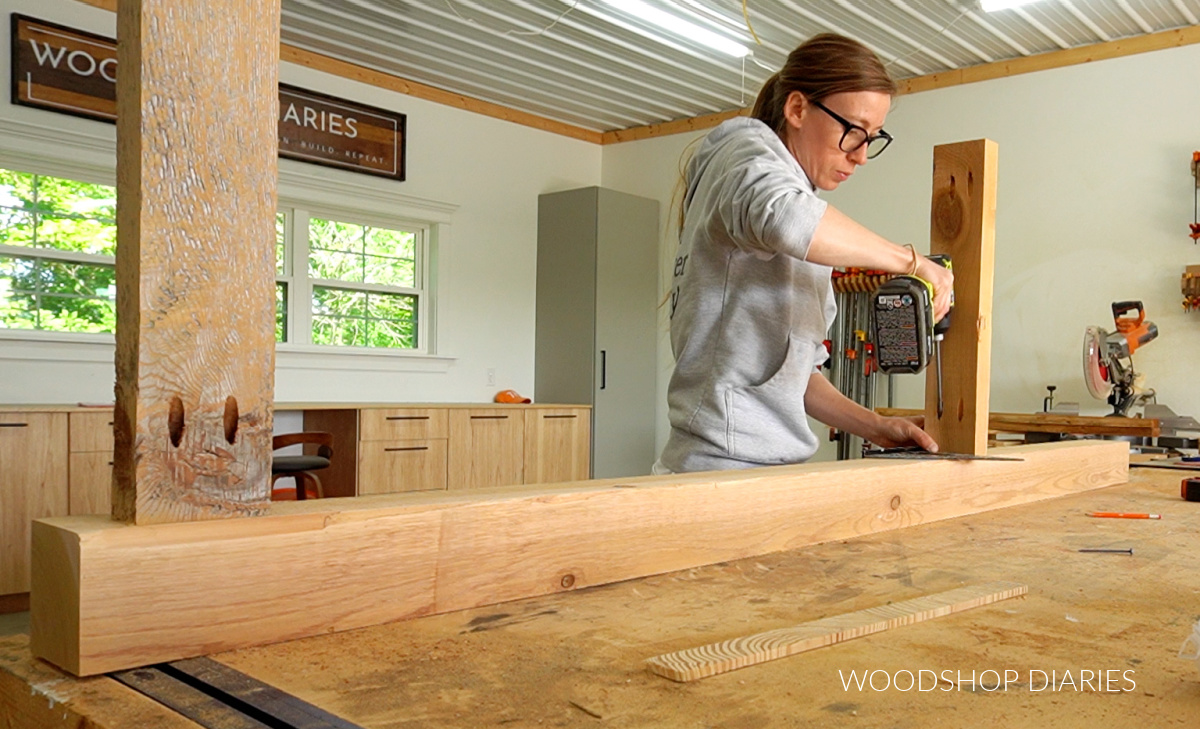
(90,483)
(91,432)
(487,447)
(405,424)
(386,467)
(558,444)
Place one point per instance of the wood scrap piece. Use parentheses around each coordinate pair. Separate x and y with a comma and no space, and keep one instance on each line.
(963,225)
(714,658)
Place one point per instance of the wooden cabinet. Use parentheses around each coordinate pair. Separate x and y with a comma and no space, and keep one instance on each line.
(33,485)
(91,462)
(596,337)
(487,448)
(557,444)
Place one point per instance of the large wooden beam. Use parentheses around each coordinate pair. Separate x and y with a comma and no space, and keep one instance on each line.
(110,596)
(963,225)
(197,102)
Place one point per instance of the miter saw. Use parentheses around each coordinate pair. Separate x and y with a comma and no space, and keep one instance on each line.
(1108,358)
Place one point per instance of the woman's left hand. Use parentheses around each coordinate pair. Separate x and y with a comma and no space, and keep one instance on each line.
(901,432)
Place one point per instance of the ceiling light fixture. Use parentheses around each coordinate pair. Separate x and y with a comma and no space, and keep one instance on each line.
(672,23)
(991,6)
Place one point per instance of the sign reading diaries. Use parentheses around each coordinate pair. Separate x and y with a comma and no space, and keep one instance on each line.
(74,72)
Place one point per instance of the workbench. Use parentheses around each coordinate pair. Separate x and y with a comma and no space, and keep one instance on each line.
(577,658)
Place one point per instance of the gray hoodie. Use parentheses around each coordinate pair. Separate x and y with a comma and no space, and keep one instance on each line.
(748,313)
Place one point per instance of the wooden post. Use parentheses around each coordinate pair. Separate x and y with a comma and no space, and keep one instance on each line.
(197,98)
(963,225)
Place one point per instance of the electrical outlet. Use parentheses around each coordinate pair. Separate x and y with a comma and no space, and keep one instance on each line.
(491,376)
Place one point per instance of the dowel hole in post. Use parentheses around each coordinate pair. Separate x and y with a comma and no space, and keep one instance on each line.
(175,421)
(895,502)
(231,419)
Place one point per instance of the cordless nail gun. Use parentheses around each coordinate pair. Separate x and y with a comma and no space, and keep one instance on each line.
(905,334)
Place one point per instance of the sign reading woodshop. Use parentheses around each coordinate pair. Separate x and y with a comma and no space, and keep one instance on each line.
(74,72)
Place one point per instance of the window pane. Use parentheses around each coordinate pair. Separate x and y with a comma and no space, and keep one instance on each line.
(390,271)
(395,243)
(332,235)
(16,190)
(57,295)
(393,321)
(77,234)
(280,243)
(364,319)
(16,226)
(57,196)
(335,266)
(281,311)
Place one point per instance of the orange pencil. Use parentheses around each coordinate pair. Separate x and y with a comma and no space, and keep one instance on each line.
(1120,515)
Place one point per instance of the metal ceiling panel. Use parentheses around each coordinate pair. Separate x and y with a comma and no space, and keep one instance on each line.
(594,65)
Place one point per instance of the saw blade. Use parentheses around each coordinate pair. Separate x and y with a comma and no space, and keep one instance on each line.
(1094,367)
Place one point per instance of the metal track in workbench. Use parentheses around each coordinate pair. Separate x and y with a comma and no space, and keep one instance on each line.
(218,697)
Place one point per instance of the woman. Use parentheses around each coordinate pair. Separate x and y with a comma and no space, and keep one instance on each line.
(752,298)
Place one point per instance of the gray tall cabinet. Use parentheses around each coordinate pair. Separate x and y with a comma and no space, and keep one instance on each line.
(597,294)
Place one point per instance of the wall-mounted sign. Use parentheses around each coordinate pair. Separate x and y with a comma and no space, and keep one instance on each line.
(70,71)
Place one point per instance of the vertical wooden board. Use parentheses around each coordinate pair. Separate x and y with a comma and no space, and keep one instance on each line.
(196,172)
(33,485)
(963,225)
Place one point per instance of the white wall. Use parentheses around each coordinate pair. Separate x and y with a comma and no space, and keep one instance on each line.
(486,171)
(1094,201)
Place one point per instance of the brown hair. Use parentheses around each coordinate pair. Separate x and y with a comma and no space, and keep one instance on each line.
(823,65)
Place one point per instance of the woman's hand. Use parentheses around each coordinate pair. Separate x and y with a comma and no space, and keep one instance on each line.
(900,432)
(943,284)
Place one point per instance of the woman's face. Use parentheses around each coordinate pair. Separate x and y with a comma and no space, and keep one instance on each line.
(813,135)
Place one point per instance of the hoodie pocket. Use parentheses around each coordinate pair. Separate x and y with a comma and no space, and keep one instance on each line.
(766,423)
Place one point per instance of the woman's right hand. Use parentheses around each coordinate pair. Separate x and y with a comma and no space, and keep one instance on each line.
(943,284)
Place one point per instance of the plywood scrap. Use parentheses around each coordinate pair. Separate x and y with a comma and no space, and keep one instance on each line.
(714,658)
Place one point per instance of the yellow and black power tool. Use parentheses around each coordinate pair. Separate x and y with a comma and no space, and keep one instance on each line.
(906,336)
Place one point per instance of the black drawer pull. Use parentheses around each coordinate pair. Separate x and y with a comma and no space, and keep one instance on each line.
(489,417)
(110,463)
(407,417)
(14,425)
(409,448)
(559,416)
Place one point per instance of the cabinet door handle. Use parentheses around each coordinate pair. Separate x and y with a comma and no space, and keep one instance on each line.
(409,448)
(110,463)
(407,417)
(559,416)
(489,417)
(14,425)
(603,369)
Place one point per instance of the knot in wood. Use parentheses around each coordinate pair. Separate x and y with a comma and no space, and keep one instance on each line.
(948,213)
(895,502)
(568,581)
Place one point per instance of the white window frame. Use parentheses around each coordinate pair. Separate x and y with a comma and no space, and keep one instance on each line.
(89,156)
(300,285)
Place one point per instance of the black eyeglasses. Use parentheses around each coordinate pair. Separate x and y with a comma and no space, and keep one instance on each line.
(855,136)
